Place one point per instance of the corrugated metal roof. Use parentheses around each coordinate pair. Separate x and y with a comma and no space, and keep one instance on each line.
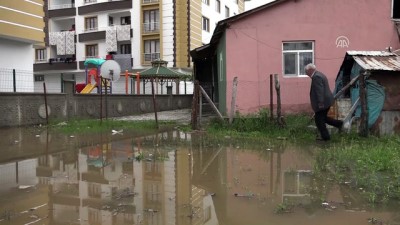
(376,60)
(370,53)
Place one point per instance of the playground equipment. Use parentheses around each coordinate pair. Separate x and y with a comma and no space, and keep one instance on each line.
(106,71)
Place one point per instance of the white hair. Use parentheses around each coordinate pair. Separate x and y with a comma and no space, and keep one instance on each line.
(310,66)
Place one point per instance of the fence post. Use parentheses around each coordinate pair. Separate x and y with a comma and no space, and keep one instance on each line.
(14,81)
(364,105)
(45,102)
(233,102)
(62,83)
(279,117)
(195,105)
(271,100)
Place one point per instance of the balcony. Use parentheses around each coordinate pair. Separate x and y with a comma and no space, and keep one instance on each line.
(122,32)
(90,8)
(150,28)
(61,10)
(61,63)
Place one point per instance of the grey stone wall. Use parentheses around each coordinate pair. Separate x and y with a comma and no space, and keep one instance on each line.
(21,109)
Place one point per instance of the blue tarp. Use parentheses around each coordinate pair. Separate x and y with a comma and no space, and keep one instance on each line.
(375,101)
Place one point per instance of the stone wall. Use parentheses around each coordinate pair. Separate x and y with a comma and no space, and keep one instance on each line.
(21,109)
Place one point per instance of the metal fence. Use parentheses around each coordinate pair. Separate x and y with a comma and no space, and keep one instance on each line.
(17,81)
(13,80)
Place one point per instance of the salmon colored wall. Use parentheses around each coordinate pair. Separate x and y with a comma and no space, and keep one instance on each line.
(254,45)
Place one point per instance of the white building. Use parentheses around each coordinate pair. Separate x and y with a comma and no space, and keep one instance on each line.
(132,32)
(21,28)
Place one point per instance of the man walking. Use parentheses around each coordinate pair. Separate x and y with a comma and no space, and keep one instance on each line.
(321,100)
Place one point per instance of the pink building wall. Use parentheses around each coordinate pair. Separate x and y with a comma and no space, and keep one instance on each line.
(254,46)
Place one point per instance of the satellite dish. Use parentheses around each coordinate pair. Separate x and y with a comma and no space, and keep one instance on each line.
(110,69)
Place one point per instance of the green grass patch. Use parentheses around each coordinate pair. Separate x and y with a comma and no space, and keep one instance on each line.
(261,126)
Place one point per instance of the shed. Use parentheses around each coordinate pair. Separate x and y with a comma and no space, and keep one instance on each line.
(383,97)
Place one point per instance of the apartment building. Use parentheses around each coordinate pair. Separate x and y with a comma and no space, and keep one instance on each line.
(21,29)
(131,32)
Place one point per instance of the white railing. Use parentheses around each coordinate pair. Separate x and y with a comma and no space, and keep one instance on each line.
(149,1)
(61,6)
(89,1)
(149,57)
(151,27)
(91,29)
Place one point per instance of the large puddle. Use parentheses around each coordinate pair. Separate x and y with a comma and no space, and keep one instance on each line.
(170,178)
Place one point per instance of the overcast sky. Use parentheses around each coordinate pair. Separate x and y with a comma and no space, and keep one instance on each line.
(255,3)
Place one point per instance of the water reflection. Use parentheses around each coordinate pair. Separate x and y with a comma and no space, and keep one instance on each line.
(168,178)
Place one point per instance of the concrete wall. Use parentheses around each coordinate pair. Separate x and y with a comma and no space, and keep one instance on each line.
(21,109)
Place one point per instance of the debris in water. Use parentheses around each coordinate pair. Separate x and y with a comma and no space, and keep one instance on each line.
(117,132)
(23,187)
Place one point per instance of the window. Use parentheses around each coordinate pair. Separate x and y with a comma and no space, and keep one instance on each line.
(40,55)
(39,78)
(125,49)
(151,21)
(296,55)
(151,50)
(125,20)
(90,23)
(207,2)
(110,21)
(218,6)
(206,24)
(396,9)
(226,12)
(91,51)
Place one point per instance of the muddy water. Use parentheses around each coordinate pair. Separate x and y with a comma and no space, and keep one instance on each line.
(170,178)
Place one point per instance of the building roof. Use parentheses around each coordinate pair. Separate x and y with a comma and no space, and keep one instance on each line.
(159,69)
(376,60)
(223,24)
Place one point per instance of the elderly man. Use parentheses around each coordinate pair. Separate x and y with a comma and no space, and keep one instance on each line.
(321,100)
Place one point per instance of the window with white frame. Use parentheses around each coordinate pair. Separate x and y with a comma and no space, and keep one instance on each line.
(217,6)
(207,2)
(151,50)
(226,12)
(92,51)
(40,55)
(396,9)
(296,55)
(91,23)
(206,24)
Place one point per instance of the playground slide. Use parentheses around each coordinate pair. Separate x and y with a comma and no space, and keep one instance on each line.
(89,88)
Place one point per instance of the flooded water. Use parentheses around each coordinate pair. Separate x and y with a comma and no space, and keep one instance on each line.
(170,178)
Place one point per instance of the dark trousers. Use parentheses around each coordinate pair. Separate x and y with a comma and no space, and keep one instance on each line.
(321,119)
